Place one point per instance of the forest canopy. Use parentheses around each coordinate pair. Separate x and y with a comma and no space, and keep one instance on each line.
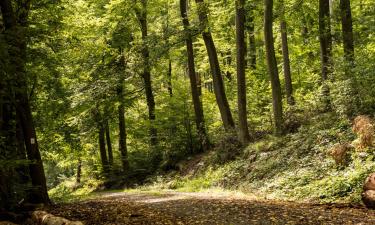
(111,93)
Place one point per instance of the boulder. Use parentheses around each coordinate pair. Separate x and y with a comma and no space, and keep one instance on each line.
(368,195)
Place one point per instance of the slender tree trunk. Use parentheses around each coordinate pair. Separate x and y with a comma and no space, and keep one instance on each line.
(272,67)
(286,61)
(197,102)
(243,130)
(79,171)
(121,118)
(217,78)
(251,32)
(109,143)
(146,75)
(347,31)
(102,150)
(101,137)
(16,38)
(170,90)
(325,49)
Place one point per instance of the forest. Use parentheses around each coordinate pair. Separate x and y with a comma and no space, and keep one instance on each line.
(184,111)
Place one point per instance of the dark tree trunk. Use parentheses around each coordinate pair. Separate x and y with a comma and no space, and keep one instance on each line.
(146,75)
(325,49)
(243,130)
(79,171)
(170,90)
(251,32)
(102,150)
(198,108)
(109,143)
(123,149)
(217,78)
(286,61)
(347,31)
(16,38)
(101,137)
(7,145)
(272,67)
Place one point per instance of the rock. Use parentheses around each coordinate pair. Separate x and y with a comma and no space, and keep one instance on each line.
(369,183)
(368,195)
(368,198)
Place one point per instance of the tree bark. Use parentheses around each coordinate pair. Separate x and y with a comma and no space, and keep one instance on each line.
(325,39)
(146,75)
(272,67)
(121,118)
(101,137)
(347,31)
(286,61)
(217,78)
(243,130)
(198,107)
(102,150)
(169,74)
(79,171)
(109,143)
(16,38)
(251,32)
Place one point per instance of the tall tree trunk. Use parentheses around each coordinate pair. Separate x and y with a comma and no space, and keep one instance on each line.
(122,138)
(16,38)
(170,90)
(109,143)
(286,61)
(7,145)
(272,67)
(325,39)
(122,145)
(243,130)
(251,32)
(146,75)
(102,150)
(347,31)
(217,78)
(79,171)
(197,102)
(101,137)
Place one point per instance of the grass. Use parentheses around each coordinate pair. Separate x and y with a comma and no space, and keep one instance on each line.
(295,167)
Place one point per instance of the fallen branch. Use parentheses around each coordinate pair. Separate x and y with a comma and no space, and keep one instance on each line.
(44,218)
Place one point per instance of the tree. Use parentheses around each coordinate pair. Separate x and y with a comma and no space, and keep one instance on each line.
(15,26)
(347,31)
(109,143)
(286,61)
(98,117)
(325,49)
(122,145)
(146,75)
(217,78)
(251,33)
(243,130)
(272,67)
(197,102)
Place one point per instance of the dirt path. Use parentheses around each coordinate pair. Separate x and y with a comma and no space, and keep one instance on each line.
(205,208)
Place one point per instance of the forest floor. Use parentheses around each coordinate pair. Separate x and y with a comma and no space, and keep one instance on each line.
(170,207)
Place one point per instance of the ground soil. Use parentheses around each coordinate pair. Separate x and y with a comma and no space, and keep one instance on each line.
(206,208)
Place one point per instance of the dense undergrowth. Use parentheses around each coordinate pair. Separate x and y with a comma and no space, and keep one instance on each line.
(296,167)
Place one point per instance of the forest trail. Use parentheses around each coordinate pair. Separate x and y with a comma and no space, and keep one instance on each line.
(205,208)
